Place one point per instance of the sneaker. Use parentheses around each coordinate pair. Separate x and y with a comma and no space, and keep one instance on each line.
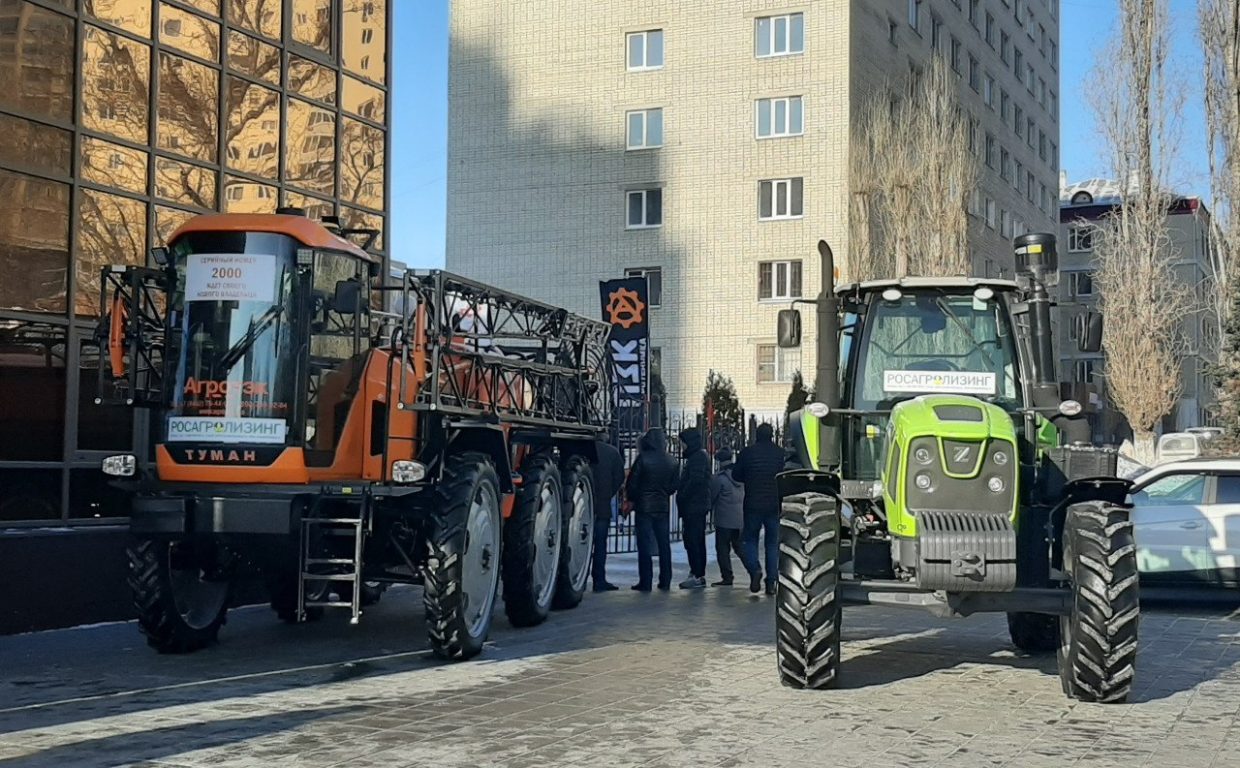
(770,588)
(693,582)
(755,583)
(722,583)
(605,586)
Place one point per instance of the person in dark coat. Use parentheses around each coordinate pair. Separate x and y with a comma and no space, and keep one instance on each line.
(693,503)
(650,486)
(727,497)
(756,468)
(608,480)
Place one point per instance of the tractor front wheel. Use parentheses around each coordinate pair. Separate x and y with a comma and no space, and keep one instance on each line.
(179,592)
(1098,639)
(808,605)
(532,540)
(462,557)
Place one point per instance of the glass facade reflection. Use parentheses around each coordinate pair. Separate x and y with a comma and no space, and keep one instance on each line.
(182,107)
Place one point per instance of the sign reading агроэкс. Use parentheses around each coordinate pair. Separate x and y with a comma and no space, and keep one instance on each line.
(626,307)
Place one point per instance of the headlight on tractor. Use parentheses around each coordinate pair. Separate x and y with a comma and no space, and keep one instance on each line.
(923,482)
(923,456)
(124,465)
(405,472)
(1000,458)
(995,484)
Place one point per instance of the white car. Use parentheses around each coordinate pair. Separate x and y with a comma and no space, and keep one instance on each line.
(1187,521)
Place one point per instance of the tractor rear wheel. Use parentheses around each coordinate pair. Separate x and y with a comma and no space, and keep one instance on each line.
(1034,632)
(808,605)
(462,557)
(578,535)
(179,593)
(1098,639)
(532,539)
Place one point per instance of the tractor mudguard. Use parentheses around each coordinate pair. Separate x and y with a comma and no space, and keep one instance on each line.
(797,481)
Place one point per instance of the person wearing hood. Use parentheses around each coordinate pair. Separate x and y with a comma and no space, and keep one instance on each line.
(608,479)
(756,468)
(693,503)
(727,498)
(650,486)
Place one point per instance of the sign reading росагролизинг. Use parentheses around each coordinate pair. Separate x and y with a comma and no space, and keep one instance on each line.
(958,382)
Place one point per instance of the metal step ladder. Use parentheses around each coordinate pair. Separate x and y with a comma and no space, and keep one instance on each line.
(314,568)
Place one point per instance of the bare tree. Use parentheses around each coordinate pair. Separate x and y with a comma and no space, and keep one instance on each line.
(1219,31)
(910,175)
(1142,298)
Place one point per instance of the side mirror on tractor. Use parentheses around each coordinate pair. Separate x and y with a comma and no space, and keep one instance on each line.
(348,297)
(1089,332)
(789,334)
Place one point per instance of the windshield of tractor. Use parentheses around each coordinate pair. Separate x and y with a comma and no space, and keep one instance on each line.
(236,362)
(937,342)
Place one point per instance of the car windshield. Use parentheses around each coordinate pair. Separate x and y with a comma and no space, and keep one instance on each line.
(937,342)
(1172,490)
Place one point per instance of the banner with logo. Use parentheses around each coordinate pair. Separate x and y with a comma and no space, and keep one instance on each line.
(626,307)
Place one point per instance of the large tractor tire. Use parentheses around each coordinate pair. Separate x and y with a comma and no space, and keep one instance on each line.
(808,605)
(463,557)
(578,535)
(282,588)
(181,604)
(532,539)
(1034,632)
(1098,639)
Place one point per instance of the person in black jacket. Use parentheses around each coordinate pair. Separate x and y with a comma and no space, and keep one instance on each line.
(608,479)
(693,503)
(650,486)
(756,468)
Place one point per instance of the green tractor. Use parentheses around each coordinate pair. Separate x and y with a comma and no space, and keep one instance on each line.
(941,468)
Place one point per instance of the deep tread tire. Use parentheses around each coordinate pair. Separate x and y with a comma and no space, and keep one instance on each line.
(442,594)
(1098,640)
(1034,632)
(521,599)
(150,582)
(567,595)
(807,598)
(372,592)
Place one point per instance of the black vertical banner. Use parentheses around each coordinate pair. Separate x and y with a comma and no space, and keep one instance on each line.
(626,307)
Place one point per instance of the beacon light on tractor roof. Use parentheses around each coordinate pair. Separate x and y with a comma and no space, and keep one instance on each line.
(984,293)
(405,472)
(892,294)
(122,465)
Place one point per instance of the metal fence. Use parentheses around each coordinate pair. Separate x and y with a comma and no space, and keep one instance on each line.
(621,536)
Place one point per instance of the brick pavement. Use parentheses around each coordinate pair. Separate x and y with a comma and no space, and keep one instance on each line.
(661,680)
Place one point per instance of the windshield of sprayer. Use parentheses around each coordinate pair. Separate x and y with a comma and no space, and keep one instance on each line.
(932,342)
(236,361)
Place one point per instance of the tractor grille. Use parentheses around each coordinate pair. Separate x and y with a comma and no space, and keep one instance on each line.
(962,456)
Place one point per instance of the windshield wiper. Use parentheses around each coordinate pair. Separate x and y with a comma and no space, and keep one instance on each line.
(947,310)
(256,329)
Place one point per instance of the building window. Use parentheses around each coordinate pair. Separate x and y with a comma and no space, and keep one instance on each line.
(1005,223)
(1018,121)
(914,14)
(1083,371)
(1082,283)
(1042,144)
(990,150)
(780,199)
(973,142)
(1029,78)
(1005,47)
(1031,128)
(1018,64)
(1080,239)
(974,7)
(654,285)
(780,117)
(988,90)
(955,55)
(645,208)
(891,30)
(1018,175)
(991,213)
(645,50)
(779,35)
(1005,161)
(936,33)
(975,74)
(645,128)
(990,30)
(1054,160)
(776,365)
(1054,55)
(779,280)
(1005,105)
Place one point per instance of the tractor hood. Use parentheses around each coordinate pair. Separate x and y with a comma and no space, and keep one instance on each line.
(958,417)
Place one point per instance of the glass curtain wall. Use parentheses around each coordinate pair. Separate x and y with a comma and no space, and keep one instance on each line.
(121,119)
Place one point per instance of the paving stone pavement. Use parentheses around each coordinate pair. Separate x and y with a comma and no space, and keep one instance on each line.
(683,679)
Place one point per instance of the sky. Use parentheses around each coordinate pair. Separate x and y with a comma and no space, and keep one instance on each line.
(419,139)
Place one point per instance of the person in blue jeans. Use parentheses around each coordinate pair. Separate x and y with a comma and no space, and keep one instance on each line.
(757,467)
(650,486)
